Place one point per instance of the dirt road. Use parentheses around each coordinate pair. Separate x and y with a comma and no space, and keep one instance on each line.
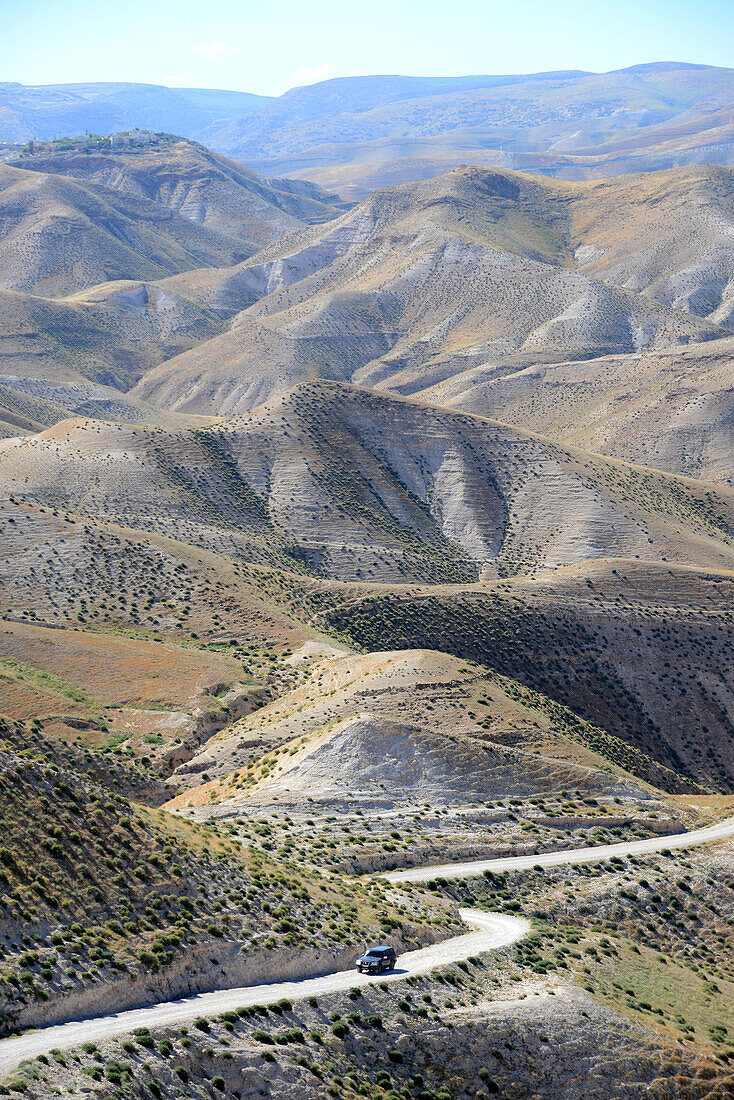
(493,930)
(567,856)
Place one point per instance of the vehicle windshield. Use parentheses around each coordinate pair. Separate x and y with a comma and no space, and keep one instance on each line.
(374,953)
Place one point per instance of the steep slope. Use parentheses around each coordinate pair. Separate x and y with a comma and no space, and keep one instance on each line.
(174,483)
(642,650)
(365,485)
(423,281)
(186,177)
(672,409)
(58,236)
(107,903)
(668,235)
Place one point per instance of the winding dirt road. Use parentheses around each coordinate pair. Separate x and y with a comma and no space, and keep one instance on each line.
(492,930)
(567,856)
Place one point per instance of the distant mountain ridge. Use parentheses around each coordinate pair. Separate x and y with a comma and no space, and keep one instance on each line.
(354,134)
(61,110)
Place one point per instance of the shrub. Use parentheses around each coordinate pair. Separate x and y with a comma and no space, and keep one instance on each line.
(218,1083)
(181,1072)
(115,1071)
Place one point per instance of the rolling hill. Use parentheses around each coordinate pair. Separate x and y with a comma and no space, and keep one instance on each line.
(385,729)
(363,485)
(336,540)
(671,409)
(53,110)
(422,282)
(186,177)
(355,134)
(60,236)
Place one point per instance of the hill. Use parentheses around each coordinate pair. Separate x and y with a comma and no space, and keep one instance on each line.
(355,134)
(61,236)
(108,335)
(421,282)
(186,177)
(354,169)
(367,486)
(386,729)
(641,650)
(120,904)
(670,408)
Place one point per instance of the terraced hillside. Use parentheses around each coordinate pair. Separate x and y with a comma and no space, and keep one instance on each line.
(354,484)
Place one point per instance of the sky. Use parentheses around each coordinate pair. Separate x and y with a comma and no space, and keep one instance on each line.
(269,47)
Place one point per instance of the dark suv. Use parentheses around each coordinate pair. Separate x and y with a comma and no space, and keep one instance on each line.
(376,959)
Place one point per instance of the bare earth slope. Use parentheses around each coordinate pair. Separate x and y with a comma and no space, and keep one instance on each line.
(642,650)
(386,729)
(424,281)
(672,408)
(61,235)
(109,334)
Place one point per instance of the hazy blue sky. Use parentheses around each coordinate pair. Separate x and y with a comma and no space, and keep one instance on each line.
(268,47)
